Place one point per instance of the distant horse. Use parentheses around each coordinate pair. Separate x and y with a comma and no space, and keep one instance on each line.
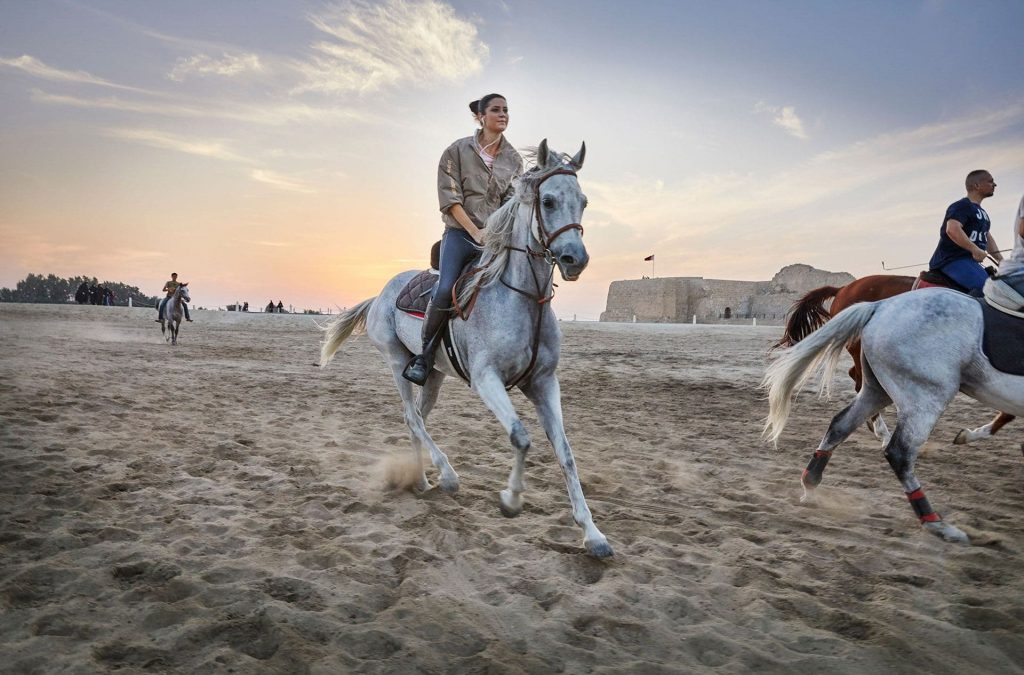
(170,318)
(511,337)
(917,351)
(809,314)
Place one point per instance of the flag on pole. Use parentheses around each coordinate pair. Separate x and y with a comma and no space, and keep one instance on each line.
(650,257)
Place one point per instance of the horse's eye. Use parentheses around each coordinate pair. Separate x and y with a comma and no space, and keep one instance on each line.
(549,202)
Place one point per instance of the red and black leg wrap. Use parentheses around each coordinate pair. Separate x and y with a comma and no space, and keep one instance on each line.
(811,477)
(921,507)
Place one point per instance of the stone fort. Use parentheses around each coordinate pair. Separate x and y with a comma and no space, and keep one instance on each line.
(679,299)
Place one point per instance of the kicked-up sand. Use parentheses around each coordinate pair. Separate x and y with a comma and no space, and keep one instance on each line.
(221,507)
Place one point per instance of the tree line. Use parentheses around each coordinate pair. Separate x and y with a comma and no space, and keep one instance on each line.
(52,289)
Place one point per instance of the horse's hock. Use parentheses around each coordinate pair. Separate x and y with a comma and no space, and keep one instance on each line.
(679,299)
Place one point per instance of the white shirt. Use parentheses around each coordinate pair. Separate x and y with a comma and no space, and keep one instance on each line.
(1014,262)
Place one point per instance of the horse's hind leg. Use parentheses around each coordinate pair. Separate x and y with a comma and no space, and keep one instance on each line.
(912,430)
(545,393)
(875,423)
(871,399)
(448,479)
(989,430)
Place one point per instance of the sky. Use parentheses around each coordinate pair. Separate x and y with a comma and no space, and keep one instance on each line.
(289,150)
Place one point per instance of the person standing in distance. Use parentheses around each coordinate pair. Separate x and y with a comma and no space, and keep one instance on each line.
(964,238)
(474,178)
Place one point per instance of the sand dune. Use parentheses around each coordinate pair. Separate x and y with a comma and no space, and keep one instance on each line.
(220,506)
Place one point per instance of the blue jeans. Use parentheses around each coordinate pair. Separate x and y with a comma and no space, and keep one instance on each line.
(457,248)
(966,272)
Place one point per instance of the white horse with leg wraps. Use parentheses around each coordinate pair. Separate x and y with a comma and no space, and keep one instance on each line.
(511,338)
(917,351)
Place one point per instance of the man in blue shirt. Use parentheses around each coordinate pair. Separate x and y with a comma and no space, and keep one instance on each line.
(964,238)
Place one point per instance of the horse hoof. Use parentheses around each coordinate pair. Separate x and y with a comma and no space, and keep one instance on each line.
(961,438)
(599,549)
(506,503)
(809,497)
(449,485)
(947,532)
(420,487)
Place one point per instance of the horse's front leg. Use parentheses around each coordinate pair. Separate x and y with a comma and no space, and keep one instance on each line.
(492,392)
(545,393)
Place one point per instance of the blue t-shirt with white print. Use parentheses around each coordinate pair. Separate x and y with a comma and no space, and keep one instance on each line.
(976,225)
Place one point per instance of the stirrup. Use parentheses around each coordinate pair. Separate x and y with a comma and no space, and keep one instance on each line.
(417,370)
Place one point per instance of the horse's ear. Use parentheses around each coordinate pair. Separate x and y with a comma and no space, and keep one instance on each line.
(542,155)
(577,161)
(185,284)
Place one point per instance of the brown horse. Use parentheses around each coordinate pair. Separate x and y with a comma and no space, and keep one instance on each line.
(809,314)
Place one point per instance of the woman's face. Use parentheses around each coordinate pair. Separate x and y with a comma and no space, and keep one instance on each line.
(495,116)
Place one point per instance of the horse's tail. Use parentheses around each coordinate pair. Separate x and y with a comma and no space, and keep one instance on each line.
(807,315)
(349,322)
(820,351)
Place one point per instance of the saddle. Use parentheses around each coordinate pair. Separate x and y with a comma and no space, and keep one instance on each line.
(936,279)
(1003,339)
(1006,293)
(414,298)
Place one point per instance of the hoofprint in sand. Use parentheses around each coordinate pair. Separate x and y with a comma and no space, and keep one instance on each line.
(220,506)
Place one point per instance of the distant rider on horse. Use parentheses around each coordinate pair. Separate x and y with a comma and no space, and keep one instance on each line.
(964,238)
(169,288)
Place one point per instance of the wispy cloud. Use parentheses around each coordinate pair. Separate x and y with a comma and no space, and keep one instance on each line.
(784,117)
(273,244)
(36,68)
(201,65)
(279,181)
(216,149)
(273,114)
(374,46)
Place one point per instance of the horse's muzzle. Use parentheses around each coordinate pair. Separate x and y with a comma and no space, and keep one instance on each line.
(571,266)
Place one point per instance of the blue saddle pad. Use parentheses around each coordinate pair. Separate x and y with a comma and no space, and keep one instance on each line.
(1003,341)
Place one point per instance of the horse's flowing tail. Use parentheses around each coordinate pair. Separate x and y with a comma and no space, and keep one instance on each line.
(819,351)
(807,315)
(349,322)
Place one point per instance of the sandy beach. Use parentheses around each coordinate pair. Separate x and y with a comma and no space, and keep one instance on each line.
(220,507)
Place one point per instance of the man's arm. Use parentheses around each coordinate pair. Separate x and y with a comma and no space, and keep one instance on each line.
(955,230)
(993,249)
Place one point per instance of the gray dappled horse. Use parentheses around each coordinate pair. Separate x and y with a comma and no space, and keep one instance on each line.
(511,337)
(170,318)
(917,351)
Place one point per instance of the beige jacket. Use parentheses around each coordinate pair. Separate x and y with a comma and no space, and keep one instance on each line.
(463,178)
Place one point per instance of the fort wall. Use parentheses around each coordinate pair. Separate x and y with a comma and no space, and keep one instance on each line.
(679,299)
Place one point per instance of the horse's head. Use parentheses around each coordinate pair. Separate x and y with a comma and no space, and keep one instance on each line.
(558,204)
(183,292)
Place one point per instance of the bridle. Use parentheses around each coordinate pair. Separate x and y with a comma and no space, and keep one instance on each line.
(545,238)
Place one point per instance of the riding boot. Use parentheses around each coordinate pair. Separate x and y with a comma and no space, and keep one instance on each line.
(418,369)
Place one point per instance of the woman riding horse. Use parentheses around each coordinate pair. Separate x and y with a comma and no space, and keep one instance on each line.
(474,178)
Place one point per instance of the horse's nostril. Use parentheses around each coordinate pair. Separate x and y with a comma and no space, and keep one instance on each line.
(567,260)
